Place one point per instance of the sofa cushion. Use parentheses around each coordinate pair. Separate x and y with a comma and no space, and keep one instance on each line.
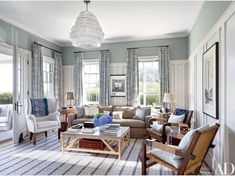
(176,118)
(167,157)
(133,123)
(129,113)
(90,111)
(46,124)
(82,120)
(39,107)
(105,108)
(52,105)
(159,128)
(117,114)
(141,113)
(80,110)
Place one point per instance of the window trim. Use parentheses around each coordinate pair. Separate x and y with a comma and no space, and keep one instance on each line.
(146,59)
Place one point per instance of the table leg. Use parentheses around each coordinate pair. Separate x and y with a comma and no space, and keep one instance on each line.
(119,149)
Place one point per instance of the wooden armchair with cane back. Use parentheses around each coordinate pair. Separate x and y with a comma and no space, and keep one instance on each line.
(186,158)
(178,116)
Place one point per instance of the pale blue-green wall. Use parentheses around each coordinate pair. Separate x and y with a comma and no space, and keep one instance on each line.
(208,16)
(178,49)
(15,36)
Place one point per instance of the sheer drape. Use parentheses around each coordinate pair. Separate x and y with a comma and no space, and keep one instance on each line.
(58,86)
(37,72)
(104,77)
(77,79)
(132,77)
(164,71)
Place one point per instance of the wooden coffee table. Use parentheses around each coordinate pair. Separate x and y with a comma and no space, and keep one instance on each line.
(114,144)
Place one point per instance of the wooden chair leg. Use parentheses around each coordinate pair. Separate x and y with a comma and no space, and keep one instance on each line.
(30,136)
(46,134)
(196,172)
(59,133)
(34,138)
(143,159)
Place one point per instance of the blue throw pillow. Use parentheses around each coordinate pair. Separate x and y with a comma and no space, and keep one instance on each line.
(141,113)
(39,107)
(80,112)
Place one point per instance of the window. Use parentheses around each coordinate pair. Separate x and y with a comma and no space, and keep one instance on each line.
(149,84)
(48,77)
(91,82)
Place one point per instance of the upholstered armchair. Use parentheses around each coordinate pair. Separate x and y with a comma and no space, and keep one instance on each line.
(184,159)
(37,123)
(166,123)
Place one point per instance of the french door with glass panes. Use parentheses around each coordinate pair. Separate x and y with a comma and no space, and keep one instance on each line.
(22,82)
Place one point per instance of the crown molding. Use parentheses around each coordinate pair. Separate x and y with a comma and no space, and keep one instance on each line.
(13,23)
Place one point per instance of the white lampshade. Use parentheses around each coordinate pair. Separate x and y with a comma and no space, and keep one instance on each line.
(169,97)
(86,32)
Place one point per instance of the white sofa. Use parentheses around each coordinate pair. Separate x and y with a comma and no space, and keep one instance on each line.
(45,123)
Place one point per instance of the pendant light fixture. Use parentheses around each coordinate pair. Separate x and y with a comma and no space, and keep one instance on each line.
(86,32)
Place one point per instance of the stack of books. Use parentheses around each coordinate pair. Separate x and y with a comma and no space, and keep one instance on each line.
(112,129)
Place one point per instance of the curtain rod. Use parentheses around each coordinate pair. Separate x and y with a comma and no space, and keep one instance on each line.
(149,47)
(47,47)
(90,51)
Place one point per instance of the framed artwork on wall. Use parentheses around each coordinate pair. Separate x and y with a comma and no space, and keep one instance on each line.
(210,82)
(118,85)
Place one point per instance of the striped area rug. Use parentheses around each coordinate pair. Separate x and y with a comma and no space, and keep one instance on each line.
(46,158)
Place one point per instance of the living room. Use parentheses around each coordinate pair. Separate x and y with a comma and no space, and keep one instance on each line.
(86,95)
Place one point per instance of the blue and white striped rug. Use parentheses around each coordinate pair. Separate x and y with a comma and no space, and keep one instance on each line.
(46,158)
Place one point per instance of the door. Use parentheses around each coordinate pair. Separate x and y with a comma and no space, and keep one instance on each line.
(22,82)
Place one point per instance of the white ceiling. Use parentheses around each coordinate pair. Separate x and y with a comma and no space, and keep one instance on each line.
(120,20)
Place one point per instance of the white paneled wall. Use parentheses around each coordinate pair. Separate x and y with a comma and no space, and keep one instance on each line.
(67,80)
(179,82)
(224,33)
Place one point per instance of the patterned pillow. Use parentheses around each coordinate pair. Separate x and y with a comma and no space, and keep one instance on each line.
(39,107)
(117,114)
(141,113)
(80,112)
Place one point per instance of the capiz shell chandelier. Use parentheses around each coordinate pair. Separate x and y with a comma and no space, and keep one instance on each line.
(86,32)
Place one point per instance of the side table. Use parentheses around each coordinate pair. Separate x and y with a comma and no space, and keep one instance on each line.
(64,113)
(174,137)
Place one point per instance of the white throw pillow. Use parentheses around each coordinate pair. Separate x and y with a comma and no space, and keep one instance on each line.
(117,114)
(186,140)
(159,128)
(176,118)
(91,110)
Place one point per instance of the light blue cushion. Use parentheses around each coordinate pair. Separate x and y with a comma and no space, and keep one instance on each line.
(167,157)
(80,112)
(141,113)
(159,128)
(176,118)
(186,140)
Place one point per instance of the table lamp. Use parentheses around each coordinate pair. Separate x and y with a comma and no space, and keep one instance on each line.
(170,99)
(69,96)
